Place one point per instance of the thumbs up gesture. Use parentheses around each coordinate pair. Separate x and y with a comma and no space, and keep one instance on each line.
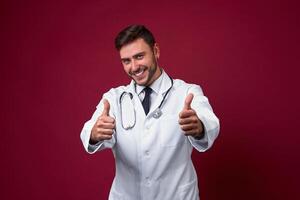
(104,126)
(188,119)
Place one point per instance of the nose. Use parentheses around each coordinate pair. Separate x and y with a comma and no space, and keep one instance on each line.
(134,65)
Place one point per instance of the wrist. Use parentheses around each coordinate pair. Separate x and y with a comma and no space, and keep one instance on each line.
(93,142)
(200,134)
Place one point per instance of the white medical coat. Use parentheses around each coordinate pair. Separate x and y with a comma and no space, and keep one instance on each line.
(153,159)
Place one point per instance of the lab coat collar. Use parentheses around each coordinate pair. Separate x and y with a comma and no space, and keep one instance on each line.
(165,83)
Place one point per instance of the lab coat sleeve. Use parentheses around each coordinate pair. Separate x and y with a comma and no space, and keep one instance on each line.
(210,121)
(86,130)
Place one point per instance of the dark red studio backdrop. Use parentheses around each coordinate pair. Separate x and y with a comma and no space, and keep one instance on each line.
(58,58)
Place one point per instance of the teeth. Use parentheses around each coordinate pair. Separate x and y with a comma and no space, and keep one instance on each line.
(140,73)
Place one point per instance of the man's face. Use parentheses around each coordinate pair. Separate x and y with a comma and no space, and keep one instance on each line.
(140,61)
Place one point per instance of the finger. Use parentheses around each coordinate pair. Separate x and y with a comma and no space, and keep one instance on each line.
(188,101)
(105,137)
(105,125)
(190,133)
(106,119)
(106,108)
(188,127)
(187,113)
(105,131)
(188,120)
(193,132)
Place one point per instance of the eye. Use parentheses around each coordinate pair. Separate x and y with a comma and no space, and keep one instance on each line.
(125,62)
(140,56)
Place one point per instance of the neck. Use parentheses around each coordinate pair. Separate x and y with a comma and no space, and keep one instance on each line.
(156,75)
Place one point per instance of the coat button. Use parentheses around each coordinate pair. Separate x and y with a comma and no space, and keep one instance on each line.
(148,181)
(147,153)
(147,131)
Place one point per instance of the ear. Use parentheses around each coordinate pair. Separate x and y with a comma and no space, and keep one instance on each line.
(156,51)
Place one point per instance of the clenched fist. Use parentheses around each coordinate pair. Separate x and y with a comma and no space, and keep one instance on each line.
(189,121)
(104,126)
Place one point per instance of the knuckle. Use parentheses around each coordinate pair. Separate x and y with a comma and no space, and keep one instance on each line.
(100,138)
(108,137)
(182,113)
(112,125)
(184,122)
(95,137)
(100,118)
(100,122)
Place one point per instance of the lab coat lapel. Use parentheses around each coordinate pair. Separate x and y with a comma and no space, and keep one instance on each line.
(131,88)
(138,105)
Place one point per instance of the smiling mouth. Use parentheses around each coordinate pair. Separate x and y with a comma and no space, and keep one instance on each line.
(138,73)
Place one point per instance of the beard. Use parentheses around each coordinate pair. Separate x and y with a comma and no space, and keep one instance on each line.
(151,72)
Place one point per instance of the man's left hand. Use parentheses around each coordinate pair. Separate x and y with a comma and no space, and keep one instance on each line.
(188,119)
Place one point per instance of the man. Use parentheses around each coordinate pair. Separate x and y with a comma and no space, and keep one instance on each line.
(153,130)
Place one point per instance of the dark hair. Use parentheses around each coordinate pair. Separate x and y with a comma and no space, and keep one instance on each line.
(133,32)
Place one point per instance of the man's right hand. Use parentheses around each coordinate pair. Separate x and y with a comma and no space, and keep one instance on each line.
(104,126)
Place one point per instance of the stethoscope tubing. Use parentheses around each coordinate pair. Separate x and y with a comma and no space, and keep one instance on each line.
(157,113)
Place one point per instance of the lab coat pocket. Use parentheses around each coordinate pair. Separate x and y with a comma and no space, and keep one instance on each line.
(170,134)
(189,191)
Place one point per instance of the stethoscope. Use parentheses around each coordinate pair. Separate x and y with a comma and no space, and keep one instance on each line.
(128,114)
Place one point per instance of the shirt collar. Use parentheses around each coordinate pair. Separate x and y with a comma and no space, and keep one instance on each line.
(155,86)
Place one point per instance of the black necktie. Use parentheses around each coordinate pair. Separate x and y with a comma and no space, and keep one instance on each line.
(146,100)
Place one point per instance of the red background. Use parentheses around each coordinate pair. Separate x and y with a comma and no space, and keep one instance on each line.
(57,58)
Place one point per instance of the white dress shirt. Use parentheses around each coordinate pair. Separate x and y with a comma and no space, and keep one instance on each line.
(155,86)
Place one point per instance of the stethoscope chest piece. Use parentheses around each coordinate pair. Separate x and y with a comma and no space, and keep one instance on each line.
(157,113)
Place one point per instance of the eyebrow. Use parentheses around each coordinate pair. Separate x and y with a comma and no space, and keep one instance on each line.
(134,56)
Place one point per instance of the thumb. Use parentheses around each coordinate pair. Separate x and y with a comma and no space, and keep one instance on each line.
(188,101)
(106,107)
